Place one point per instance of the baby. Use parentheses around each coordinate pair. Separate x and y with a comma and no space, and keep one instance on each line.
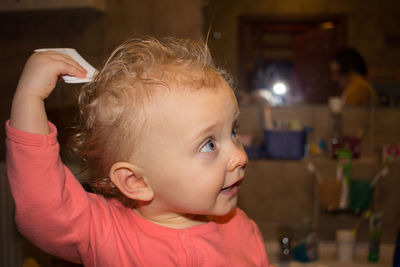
(158,131)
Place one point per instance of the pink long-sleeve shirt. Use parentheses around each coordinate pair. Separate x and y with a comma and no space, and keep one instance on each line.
(56,214)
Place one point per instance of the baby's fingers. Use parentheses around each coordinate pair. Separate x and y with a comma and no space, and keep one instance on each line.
(74,69)
(42,71)
(68,66)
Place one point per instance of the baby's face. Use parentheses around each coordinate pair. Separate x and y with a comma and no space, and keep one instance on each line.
(191,154)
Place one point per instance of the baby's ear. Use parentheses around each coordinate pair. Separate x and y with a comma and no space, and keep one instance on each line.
(128,178)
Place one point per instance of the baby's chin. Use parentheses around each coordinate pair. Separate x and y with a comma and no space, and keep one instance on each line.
(225,211)
(224,218)
(211,213)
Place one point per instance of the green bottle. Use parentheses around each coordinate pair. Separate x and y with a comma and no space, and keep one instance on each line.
(375,230)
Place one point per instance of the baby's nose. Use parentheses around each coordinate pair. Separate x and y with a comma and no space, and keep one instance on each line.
(238,159)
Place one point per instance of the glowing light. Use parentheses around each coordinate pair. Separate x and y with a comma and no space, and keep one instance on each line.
(279,88)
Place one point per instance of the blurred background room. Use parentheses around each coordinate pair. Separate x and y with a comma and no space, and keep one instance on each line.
(316,164)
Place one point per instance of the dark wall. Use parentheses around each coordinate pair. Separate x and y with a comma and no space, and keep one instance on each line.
(94,34)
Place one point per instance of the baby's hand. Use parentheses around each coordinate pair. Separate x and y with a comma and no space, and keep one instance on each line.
(42,71)
(38,79)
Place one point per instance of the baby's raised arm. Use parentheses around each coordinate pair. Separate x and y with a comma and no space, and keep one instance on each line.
(37,81)
(51,206)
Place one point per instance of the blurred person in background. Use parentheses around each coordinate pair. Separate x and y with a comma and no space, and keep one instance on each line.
(349,71)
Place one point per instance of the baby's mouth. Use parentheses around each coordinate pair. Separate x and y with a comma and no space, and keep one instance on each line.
(228,188)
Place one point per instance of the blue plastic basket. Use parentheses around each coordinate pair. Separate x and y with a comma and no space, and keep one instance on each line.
(281,144)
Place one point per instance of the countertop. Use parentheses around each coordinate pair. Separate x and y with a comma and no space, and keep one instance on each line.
(327,256)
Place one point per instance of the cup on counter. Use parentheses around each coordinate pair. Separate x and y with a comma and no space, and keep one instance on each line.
(329,190)
(345,243)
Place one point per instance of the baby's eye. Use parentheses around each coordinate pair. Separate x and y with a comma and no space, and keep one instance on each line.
(209,147)
(235,130)
(234,133)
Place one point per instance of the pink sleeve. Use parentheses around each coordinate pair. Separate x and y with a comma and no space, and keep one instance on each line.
(52,209)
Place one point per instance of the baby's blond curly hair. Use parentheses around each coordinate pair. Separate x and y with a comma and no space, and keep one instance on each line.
(111,107)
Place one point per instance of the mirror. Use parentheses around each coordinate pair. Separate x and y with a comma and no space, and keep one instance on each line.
(282,51)
(291,52)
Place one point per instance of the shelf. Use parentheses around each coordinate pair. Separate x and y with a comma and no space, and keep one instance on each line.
(319,160)
(32,5)
(366,160)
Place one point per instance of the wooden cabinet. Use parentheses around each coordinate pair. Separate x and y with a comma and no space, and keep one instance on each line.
(30,5)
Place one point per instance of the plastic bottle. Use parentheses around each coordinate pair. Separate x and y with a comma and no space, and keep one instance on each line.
(307,248)
(344,168)
(336,125)
(375,229)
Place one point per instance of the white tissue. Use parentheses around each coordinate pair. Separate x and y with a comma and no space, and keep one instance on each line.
(91,71)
